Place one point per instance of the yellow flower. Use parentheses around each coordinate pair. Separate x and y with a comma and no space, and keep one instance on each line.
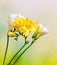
(18,23)
(24,26)
(21,21)
(14,24)
(11,34)
(34,27)
(30,25)
(25,31)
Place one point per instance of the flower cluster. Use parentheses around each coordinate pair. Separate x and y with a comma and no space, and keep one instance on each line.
(22,25)
(19,25)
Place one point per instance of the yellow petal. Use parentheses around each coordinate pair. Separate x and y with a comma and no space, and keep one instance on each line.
(11,34)
(21,21)
(34,27)
(39,30)
(14,24)
(25,31)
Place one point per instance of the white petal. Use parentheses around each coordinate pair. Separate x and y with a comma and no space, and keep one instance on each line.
(45,30)
(20,16)
(13,16)
(40,25)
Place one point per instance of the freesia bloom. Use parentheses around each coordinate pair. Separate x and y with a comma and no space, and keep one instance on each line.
(19,25)
(22,24)
(42,30)
(45,30)
(25,31)
(25,26)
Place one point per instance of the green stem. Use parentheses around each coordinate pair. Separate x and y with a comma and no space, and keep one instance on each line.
(6,49)
(17,53)
(25,50)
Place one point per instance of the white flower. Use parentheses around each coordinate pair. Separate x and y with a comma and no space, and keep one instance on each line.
(11,18)
(44,30)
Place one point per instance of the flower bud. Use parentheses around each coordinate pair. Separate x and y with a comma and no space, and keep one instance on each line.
(45,30)
(11,34)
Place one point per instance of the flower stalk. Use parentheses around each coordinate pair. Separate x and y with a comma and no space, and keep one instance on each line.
(6,49)
(19,25)
(17,52)
(25,50)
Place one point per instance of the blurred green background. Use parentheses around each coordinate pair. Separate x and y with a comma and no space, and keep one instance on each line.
(44,51)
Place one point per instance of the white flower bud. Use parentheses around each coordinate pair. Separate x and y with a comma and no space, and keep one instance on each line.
(45,30)
(11,18)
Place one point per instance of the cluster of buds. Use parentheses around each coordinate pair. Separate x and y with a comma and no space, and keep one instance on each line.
(19,25)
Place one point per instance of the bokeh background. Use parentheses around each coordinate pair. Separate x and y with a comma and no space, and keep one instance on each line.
(44,51)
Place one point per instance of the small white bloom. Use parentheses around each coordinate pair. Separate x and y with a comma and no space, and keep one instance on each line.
(11,18)
(45,30)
